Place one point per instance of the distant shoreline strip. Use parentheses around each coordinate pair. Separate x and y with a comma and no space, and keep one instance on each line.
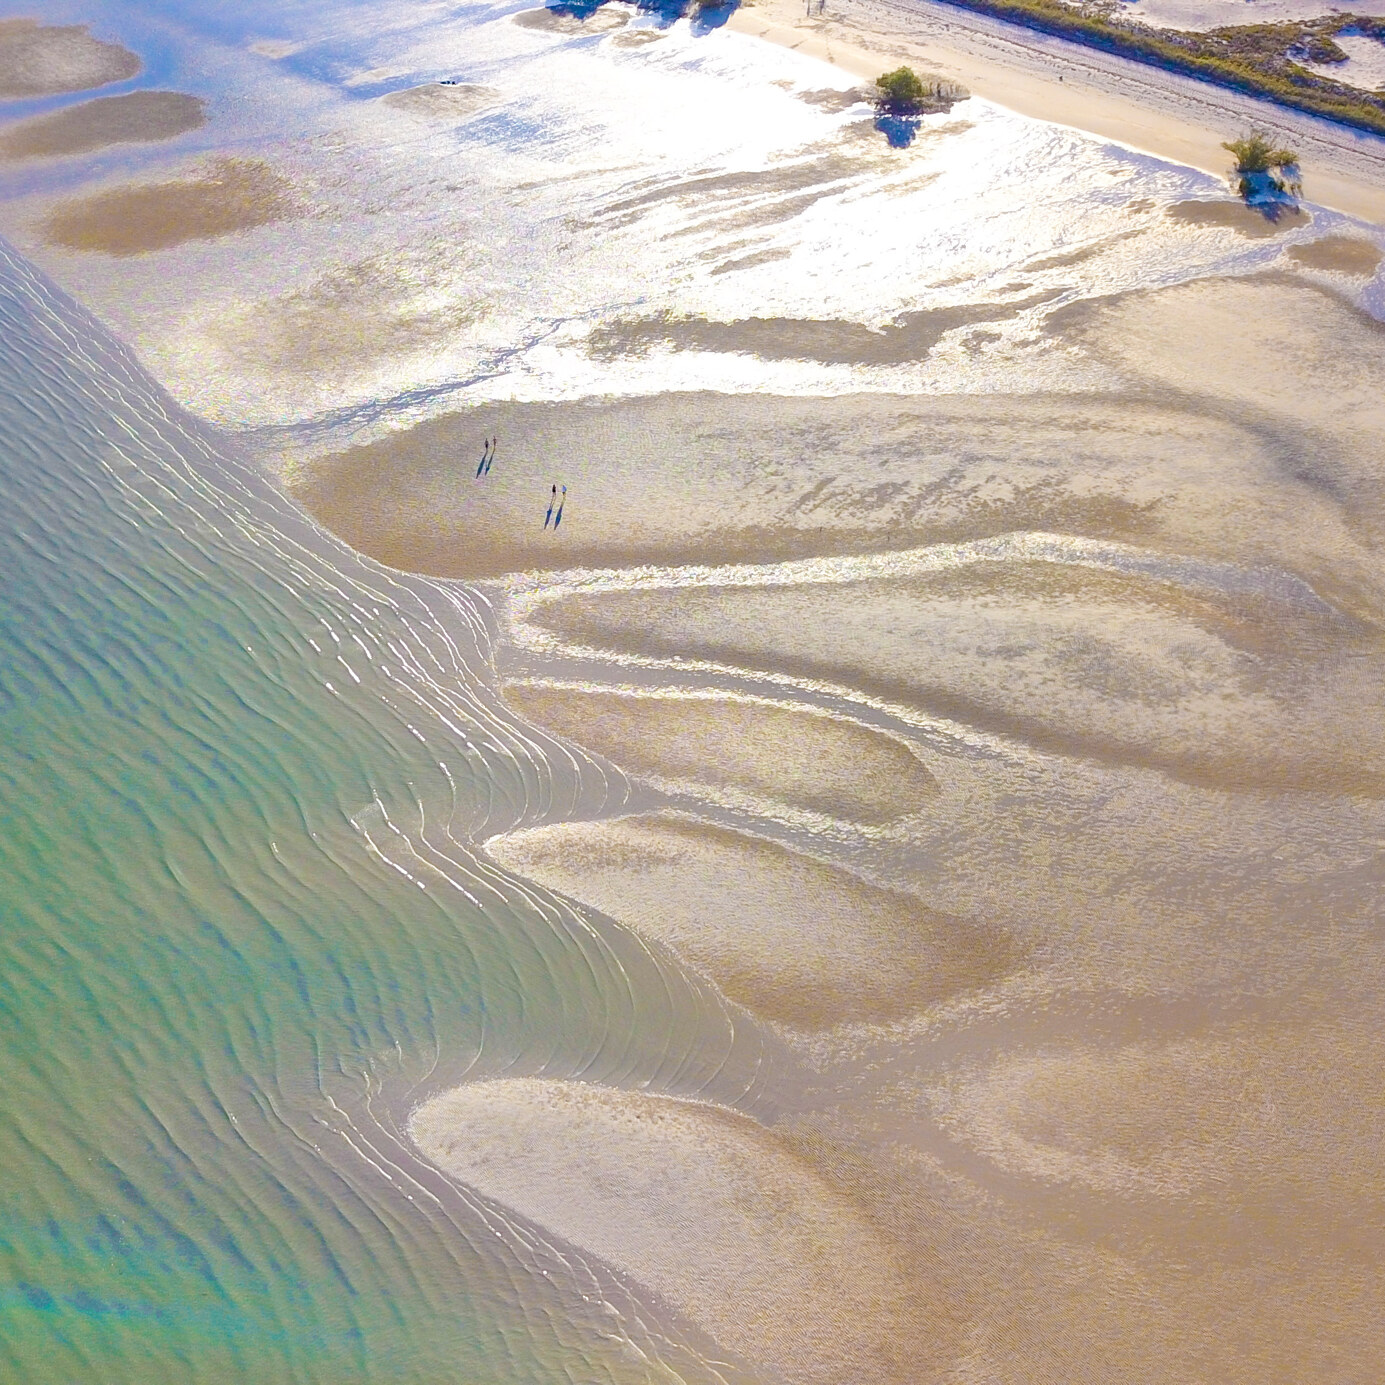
(1173,50)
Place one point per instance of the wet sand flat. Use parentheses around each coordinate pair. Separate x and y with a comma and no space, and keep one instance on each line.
(1339,255)
(780,754)
(710,1211)
(231,195)
(709,478)
(136,118)
(787,936)
(1069,662)
(44,60)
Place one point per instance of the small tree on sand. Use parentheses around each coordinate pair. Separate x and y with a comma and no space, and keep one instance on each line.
(901,92)
(1262,169)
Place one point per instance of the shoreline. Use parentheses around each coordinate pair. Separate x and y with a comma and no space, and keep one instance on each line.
(1170,116)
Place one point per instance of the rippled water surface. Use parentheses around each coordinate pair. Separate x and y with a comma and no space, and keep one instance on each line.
(240,936)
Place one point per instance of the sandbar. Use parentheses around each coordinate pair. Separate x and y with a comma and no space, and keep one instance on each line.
(135,118)
(443,102)
(787,936)
(231,195)
(1338,254)
(1116,669)
(46,59)
(785,755)
(708,1209)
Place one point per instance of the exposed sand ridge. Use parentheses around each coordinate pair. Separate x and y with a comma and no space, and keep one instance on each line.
(231,195)
(135,118)
(45,60)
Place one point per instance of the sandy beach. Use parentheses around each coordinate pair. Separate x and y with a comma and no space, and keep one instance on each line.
(1166,115)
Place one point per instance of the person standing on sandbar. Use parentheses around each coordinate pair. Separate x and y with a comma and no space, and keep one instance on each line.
(552,501)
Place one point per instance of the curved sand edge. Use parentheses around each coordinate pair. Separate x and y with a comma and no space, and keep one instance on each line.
(707,1209)
(48,59)
(795,757)
(792,939)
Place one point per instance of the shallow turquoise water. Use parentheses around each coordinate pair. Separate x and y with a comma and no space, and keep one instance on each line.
(243,932)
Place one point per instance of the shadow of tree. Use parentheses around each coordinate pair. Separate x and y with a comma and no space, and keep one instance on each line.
(666,13)
(708,17)
(899,130)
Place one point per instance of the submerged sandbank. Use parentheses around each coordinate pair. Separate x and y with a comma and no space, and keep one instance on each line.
(344,321)
(135,118)
(231,195)
(787,936)
(783,755)
(1253,222)
(1339,254)
(45,60)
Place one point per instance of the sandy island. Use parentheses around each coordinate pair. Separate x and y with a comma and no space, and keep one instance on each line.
(45,60)
(230,195)
(136,118)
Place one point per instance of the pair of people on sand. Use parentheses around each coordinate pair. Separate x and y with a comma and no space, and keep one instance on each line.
(487,456)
